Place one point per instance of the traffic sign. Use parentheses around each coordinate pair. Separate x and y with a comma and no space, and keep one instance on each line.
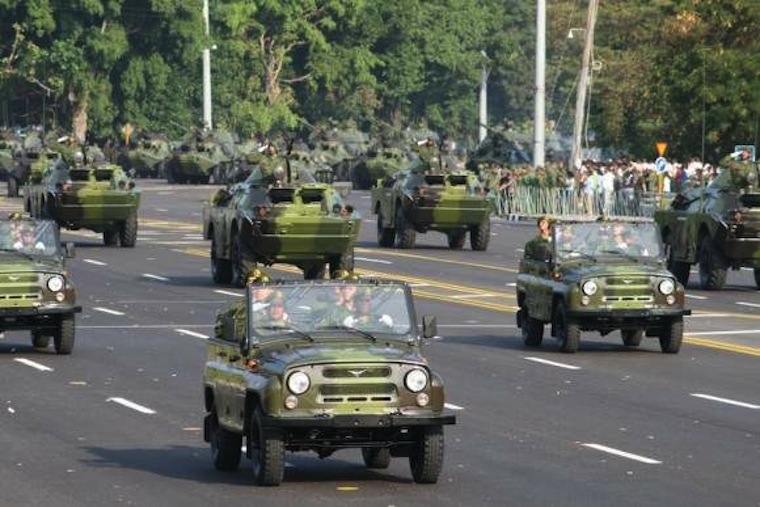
(127,132)
(661,164)
(661,146)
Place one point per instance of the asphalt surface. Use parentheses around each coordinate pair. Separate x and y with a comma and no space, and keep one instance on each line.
(119,421)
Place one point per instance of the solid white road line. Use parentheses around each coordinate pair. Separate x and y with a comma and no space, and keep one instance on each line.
(694,296)
(726,400)
(156,277)
(753,305)
(230,293)
(108,310)
(716,333)
(552,363)
(469,296)
(419,285)
(623,454)
(192,333)
(93,261)
(375,261)
(707,315)
(451,406)
(36,366)
(132,405)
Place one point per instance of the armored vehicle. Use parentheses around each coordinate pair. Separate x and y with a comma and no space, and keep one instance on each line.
(599,276)
(716,226)
(100,198)
(323,366)
(414,201)
(202,157)
(37,292)
(378,163)
(262,221)
(146,157)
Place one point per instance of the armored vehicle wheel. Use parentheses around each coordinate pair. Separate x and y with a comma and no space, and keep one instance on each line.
(225,445)
(632,337)
(221,269)
(385,235)
(128,231)
(314,272)
(343,262)
(110,237)
(40,340)
(457,239)
(63,339)
(376,458)
(480,235)
(236,262)
(757,277)
(671,337)
(568,333)
(426,459)
(532,330)
(405,233)
(267,453)
(12,187)
(712,272)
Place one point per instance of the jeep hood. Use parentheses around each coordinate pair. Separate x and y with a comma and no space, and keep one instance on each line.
(11,262)
(585,269)
(341,352)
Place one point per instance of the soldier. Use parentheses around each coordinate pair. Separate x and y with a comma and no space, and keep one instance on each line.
(362,315)
(542,239)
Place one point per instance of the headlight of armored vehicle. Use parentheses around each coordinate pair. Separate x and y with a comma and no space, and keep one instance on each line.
(55,283)
(298,382)
(589,288)
(416,380)
(666,287)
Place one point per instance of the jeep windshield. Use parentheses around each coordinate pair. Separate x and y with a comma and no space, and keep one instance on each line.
(608,239)
(29,237)
(322,310)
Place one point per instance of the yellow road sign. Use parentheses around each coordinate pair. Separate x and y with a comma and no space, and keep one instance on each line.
(661,146)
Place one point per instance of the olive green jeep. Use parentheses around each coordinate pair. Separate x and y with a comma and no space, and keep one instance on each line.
(323,366)
(36,292)
(599,276)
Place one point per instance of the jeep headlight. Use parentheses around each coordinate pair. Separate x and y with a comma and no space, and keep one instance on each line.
(298,382)
(55,283)
(416,380)
(666,287)
(589,288)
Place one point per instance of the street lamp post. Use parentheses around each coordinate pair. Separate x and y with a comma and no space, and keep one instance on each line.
(583,82)
(539,120)
(483,109)
(206,72)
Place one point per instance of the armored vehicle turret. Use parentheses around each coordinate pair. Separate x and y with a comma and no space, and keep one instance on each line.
(98,197)
(716,226)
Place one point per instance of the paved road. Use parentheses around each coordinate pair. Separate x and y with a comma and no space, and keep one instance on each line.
(118,421)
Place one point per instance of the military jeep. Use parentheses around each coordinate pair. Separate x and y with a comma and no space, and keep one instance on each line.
(716,226)
(413,201)
(309,376)
(36,292)
(101,198)
(600,276)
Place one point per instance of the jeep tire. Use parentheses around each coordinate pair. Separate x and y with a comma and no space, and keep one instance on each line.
(225,445)
(267,452)
(632,337)
(568,332)
(757,278)
(532,330)
(40,339)
(63,337)
(376,458)
(671,337)
(426,459)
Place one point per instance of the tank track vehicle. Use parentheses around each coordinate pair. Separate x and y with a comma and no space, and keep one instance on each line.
(599,276)
(101,198)
(716,226)
(37,290)
(286,371)
(304,223)
(415,201)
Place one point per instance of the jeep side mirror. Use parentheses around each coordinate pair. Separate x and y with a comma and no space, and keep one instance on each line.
(429,326)
(69,250)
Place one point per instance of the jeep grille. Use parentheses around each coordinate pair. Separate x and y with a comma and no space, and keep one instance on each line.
(357,393)
(619,289)
(371,372)
(20,287)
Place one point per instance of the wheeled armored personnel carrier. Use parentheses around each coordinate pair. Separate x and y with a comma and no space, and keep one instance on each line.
(101,198)
(286,371)
(716,226)
(202,157)
(415,201)
(304,223)
(146,157)
(37,291)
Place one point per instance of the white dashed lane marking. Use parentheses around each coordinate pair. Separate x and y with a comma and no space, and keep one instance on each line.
(752,305)
(553,363)
(192,333)
(36,366)
(229,293)
(374,261)
(622,454)
(108,311)
(726,401)
(131,404)
(93,261)
(156,277)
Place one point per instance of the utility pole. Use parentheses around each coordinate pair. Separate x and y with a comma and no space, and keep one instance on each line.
(207,72)
(539,121)
(483,103)
(583,82)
